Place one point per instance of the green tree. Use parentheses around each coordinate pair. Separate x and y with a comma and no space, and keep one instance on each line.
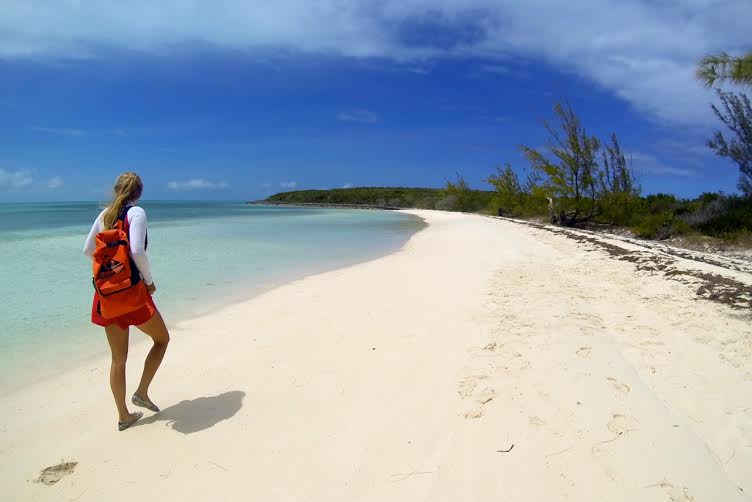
(459,196)
(616,175)
(721,67)
(508,190)
(619,199)
(737,116)
(571,179)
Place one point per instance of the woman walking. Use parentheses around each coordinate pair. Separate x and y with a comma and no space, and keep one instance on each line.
(123,214)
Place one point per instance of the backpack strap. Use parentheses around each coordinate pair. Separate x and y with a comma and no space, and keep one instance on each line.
(126,227)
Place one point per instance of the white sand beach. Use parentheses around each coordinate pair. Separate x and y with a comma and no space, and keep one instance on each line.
(485,361)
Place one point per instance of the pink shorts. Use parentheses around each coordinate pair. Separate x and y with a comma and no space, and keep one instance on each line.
(135,318)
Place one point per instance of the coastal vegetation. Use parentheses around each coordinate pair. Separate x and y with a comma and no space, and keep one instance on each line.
(456,196)
(656,216)
(581,180)
(577,179)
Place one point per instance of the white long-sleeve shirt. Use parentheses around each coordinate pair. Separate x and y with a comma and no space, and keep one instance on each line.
(137,221)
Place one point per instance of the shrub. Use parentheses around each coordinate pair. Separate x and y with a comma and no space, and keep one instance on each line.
(729,218)
(447,203)
(655,226)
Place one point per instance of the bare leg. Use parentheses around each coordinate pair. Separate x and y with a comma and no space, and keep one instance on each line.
(118,340)
(156,329)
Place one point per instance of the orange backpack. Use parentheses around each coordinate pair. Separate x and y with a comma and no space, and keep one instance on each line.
(116,277)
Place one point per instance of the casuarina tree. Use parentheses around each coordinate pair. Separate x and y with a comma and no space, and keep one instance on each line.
(736,114)
(715,68)
(570,173)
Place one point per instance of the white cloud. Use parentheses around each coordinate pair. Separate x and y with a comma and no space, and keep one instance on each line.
(644,163)
(642,51)
(288,184)
(197,184)
(348,185)
(496,68)
(361,116)
(60,131)
(55,183)
(692,149)
(70,131)
(20,178)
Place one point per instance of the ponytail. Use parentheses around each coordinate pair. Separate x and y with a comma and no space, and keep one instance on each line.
(127,188)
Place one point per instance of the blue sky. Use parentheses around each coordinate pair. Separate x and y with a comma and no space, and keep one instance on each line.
(236,100)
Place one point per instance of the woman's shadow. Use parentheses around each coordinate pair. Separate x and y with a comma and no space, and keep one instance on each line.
(198,414)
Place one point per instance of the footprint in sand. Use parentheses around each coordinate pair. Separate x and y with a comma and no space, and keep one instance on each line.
(606,460)
(676,493)
(475,412)
(583,352)
(490,347)
(536,421)
(485,395)
(482,396)
(588,330)
(603,451)
(651,343)
(621,387)
(53,474)
(618,424)
(582,316)
(467,386)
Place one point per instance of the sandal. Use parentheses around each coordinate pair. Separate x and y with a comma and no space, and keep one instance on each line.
(135,417)
(140,401)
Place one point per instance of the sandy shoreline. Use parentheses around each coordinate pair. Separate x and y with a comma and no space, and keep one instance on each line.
(409,376)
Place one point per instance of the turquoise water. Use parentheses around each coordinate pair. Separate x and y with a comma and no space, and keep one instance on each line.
(202,255)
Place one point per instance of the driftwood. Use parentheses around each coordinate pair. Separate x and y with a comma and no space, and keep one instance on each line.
(571,218)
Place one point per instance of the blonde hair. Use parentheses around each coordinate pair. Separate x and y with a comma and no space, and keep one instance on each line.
(128,188)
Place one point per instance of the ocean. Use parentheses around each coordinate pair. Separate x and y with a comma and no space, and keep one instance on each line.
(203,255)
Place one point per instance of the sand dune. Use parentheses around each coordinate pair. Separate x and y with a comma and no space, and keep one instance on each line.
(486,360)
